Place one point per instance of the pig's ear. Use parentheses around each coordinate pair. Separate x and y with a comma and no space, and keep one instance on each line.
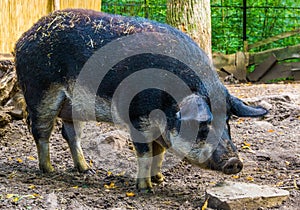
(195,108)
(240,109)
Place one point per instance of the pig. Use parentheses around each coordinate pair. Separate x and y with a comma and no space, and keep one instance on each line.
(49,58)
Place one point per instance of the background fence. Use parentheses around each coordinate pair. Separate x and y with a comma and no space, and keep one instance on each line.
(229,27)
(263,20)
(17,16)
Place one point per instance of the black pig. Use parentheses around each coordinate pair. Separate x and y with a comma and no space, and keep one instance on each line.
(50,56)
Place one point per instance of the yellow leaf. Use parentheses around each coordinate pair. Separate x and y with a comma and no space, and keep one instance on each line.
(240,120)
(250,178)
(130,194)
(29,196)
(8,196)
(19,160)
(91,163)
(110,186)
(12,175)
(109,173)
(278,184)
(31,158)
(31,186)
(121,174)
(245,147)
(36,195)
(235,176)
(75,187)
(205,204)
(16,199)
(247,144)
(295,185)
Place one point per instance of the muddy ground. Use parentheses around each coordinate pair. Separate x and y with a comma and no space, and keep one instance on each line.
(269,148)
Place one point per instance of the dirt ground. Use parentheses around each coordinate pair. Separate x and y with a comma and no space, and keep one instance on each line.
(269,148)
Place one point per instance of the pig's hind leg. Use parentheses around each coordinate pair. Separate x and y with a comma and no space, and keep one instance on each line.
(149,157)
(72,133)
(158,153)
(144,160)
(42,116)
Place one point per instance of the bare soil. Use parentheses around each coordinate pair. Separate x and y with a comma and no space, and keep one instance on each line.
(269,148)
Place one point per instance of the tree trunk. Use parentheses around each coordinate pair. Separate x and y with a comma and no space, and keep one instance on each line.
(193,17)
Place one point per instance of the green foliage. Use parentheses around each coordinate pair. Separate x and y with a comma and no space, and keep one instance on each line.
(265,18)
(280,80)
(151,9)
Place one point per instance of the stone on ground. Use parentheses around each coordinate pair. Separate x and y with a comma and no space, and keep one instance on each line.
(238,195)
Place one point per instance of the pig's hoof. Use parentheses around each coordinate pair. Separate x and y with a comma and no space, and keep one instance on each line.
(89,171)
(47,168)
(85,170)
(158,178)
(146,191)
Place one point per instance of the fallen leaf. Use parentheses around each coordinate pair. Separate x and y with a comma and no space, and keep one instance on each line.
(245,147)
(12,174)
(250,178)
(8,196)
(295,185)
(247,144)
(31,186)
(19,160)
(31,158)
(280,133)
(16,199)
(205,204)
(29,196)
(130,194)
(271,131)
(109,173)
(235,176)
(240,120)
(110,186)
(91,163)
(75,187)
(37,195)
(279,184)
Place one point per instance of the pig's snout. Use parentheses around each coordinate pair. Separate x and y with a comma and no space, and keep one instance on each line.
(233,166)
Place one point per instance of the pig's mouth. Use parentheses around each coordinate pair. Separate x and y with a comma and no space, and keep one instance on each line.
(231,166)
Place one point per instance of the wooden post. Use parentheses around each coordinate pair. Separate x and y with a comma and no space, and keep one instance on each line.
(56,4)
